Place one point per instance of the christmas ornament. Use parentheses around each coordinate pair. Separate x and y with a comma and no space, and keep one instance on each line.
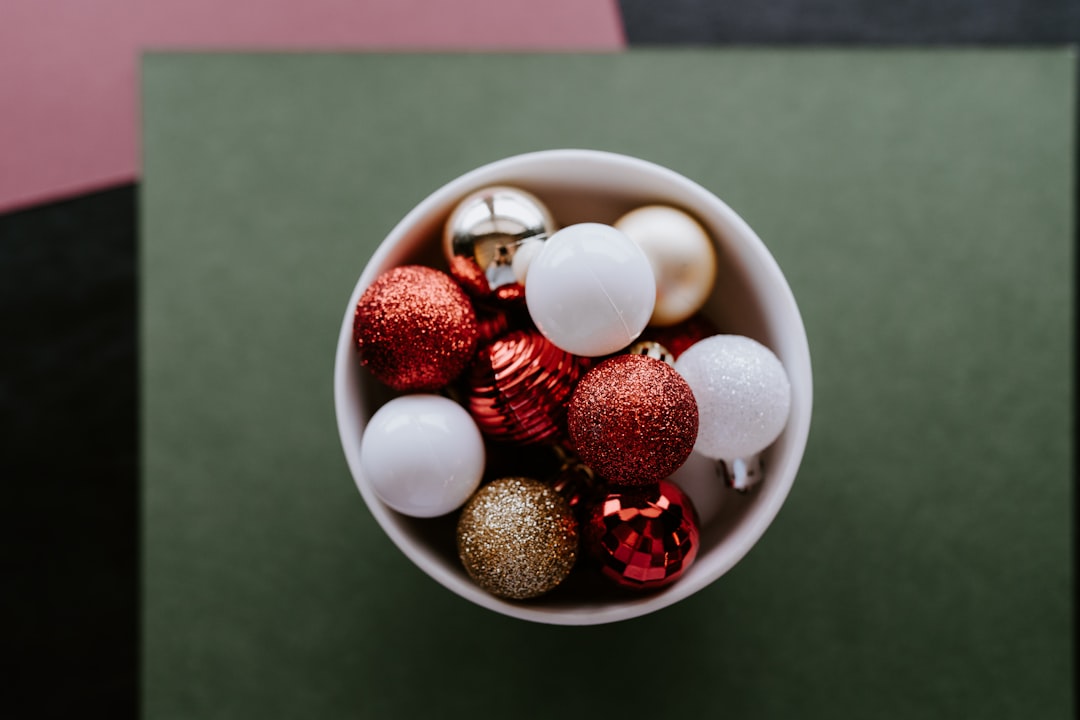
(517,538)
(524,257)
(743,395)
(590,289)
(575,481)
(741,473)
(422,454)
(494,320)
(415,328)
(491,324)
(482,236)
(655,350)
(643,538)
(518,386)
(677,338)
(682,257)
(633,420)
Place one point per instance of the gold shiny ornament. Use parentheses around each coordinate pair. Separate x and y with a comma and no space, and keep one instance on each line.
(517,538)
(484,233)
(682,256)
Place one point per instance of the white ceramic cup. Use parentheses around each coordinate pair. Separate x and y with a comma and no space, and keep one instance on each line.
(751,298)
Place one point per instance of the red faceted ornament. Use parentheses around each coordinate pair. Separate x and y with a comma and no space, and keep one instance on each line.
(415,328)
(633,420)
(518,386)
(643,538)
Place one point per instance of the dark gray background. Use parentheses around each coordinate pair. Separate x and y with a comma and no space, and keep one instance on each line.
(863,22)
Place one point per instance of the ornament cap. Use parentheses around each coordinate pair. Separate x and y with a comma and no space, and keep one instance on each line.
(741,474)
(653,349)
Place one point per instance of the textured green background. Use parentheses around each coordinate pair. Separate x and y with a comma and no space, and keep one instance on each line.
(920,205)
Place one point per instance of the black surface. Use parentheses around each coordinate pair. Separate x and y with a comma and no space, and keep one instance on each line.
(871,22)
(68,369)
(68,393)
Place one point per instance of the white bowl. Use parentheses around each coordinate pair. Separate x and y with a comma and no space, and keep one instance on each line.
(751,298)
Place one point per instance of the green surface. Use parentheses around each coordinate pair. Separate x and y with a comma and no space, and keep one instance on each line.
(919,203)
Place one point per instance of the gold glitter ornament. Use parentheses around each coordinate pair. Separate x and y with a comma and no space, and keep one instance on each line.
(517,538)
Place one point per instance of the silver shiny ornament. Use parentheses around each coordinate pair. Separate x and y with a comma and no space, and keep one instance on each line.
(483,234)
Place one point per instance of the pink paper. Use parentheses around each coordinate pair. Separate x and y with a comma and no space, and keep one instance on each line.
(69,68)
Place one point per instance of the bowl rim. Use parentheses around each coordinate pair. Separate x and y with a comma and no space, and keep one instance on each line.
(780,296)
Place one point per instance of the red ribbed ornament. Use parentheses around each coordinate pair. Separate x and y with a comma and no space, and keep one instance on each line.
(518,387)
(643,538)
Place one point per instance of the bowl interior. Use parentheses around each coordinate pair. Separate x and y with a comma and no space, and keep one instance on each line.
(751,298)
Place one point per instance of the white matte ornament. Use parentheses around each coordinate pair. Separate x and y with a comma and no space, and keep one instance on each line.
(743,395)
(682,256)
(423,455)
(590,289)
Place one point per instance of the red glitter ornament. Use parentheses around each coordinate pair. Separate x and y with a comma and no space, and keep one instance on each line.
(633,420)
(643,538)
(415,328)
(518,387)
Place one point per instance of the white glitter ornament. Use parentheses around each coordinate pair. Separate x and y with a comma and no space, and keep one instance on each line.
(590,289)
(744,398)
(682,256)
(422,454)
